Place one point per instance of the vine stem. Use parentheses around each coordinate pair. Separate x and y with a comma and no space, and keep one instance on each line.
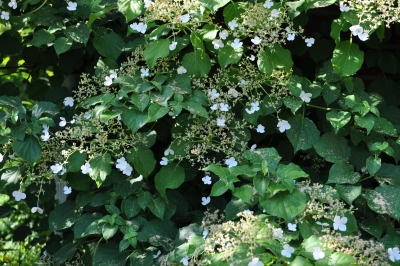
(324,108)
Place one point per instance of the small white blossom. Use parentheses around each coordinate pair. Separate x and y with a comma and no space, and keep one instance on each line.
(113,74)
(5,15)
(363,36)
(172,46)
(45,136)
(128,170)
(283,125)
(156,255)
(220,122)
(69,101)
(37,209)
(72,6)
(144,72)
(185,260)
(67,190)
(268,4)
(339,223)
(185,18)
(56,168)
(231,162)
(206,180)
(214,107)
(214,94)
(287,251)
(169,151)
(253,147)
(292,227)
(394,254)
(108,81)
(218,44)
(233,92)
(275,13)
(205,233)
(278,232)
(318,254)
(18,195)
(356,30)
(255,106)
(252,57)
(243,82)
(305,97)
(236,43)
(62,122)
(139,27)
(63,171)
(87,115)
(309,41)
(256,40)
(223,34)
(13,4)
(205,200)
(148,4)
(291,36)
(121,163)
(181,70)
(224,107)
(248,211)
(233,24)
(255,262)
(343,7)
(86,169)
(260,128)
(164,161)
(1,157)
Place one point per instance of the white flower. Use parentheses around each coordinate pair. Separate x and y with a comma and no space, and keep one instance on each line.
(223,34)
(255,262)
(260,128)
(127,170)
(287,251)
(233,92)
(63,170)
(318,254)
(86,168)
(147,4)
(181,70)
(56,168)
(254,107)
(394,254)
(363,36)
(292,227)
(214,94)
(113,74)
(72,121)
(275,13)
(18,195)
(13,4)
(220,122)
(185,260)
(1,157)
(231,162)
(206,180)
(305,97)
(224,107)
(156,255)
(185,18)
(278,232)
(45,136)
(291,36)
(37,209)
(233,24)
(62,122)
(253,147)
(343,7)
(322,224)
(256,40)
(268,4)
(218,44)
(69,101)
(243,82)
(205,200)
(87,115)
(164,161)
(139,27)
(309,41)
(121,163)
(108,81)
(67,190)
(169,151)
(236,43)
(45,128)
(252,57)
(72,6)
(248,211)
(339,223)
(205,233)
(144,72)
(283,125)
(356,30)
(214,107)
(172,46)
(5,15)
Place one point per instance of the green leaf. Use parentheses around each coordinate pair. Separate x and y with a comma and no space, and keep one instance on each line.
(11,175)
(41,37)
(75,161)
(140,100)
(144,197)
(195,108)
(156,111)
(261,183)
(208,32)
(65,253)
(388,173)
(44,108)
(133,119)
(180,83)
(143,160)
(218,188)
(142,258)
(293,103)
(290,171)
(109,44)
(348,193)
(29,149)
(197,63)
(303,133)
(330,92)
(373,164)
(214,5)
(157,206)
(163,97)
(341,259)
(170,176)
(285,205)
(109,231)
(84,221)
(367,121)
(155,50)
(227,55)
(79,33)
(338,119)
(373,227)
(130,8)
(347,58)
(64,216)
(108,254)
(244,193)
(278,57)
(385,127)
(343,173)
(384,200)
(101,167)
(333,148)
(61,45)
(131,207)
(388,63)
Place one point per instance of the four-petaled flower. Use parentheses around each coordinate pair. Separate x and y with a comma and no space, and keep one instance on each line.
(339,223)
(181,70)
(255,262)
(253,147)
(214,107)
(164,161)
(206,180)
(13,4)
(45,136)
(67,190)
(260,128)
(185,260)
(318,254)
(148,4)
(252,57)
(62,122)
(156,255)
(108,81)
(232,24)
(275,13)
(205,233)
(185,18)
(292,227)
(220,122)
(287,251)
(37,209)
(343,7)
(224,107)
(309,41)
(69,101)
(223,34)
(283,125)
(268,4)
(144,72)
(218,44)
(56,168)
(305,97)
(291,36)
(5,15)
(356,30)
(86,168)
(139,27)
(169,151)
(233,92)
(18,195)
(236,43)
(277,232)
(172,46)
(214,94)
(256,40)
(205,200)
(394,254)
(72,6)
(1,157)
(124,166)
(231,162)
(254,107)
